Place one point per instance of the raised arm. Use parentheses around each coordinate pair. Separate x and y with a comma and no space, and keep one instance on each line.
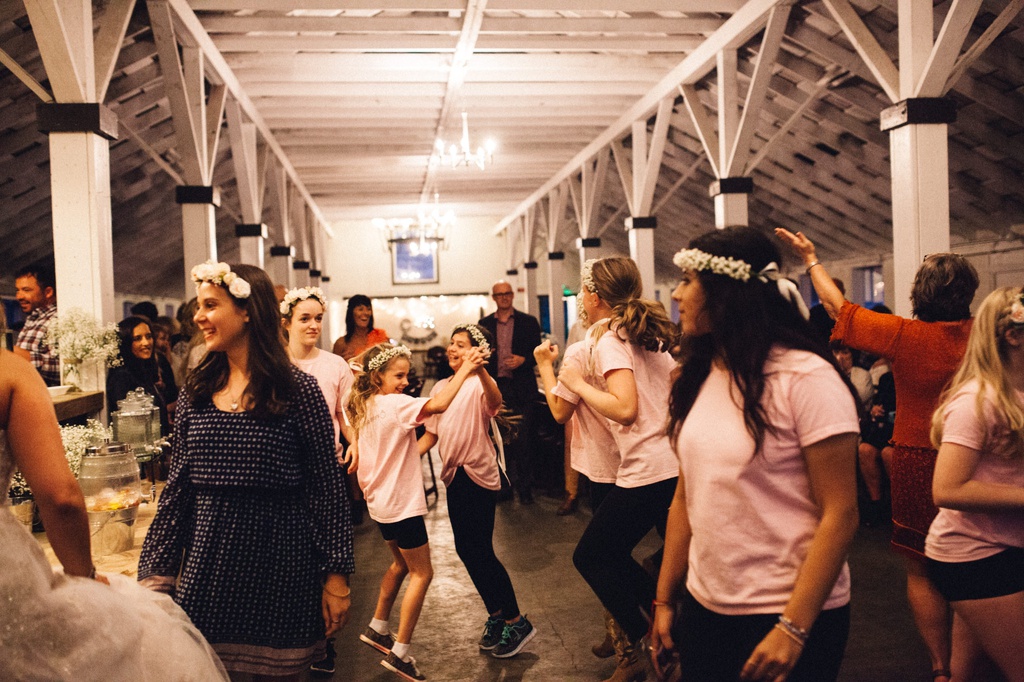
(619,403)
(828,292)
(440,402)
(545,355)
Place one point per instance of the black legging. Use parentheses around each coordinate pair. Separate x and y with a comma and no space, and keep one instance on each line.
(604,555)
(471,511)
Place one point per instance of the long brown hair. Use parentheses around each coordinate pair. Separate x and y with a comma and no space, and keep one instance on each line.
(271,382)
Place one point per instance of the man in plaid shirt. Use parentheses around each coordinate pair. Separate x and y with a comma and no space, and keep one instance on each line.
(36,294)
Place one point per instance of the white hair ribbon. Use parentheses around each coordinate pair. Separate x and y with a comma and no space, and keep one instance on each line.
(789,290)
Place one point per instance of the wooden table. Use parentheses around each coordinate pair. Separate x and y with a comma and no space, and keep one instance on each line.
(78,403)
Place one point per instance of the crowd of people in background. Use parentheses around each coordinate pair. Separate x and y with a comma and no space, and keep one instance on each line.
(738,435)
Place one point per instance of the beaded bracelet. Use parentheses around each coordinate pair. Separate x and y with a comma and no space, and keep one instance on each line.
(798,634)
(808,269)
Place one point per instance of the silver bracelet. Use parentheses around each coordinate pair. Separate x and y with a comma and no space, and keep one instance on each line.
(808,269)
(797,633)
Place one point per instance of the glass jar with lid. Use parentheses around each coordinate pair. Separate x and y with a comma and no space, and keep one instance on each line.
(110,483)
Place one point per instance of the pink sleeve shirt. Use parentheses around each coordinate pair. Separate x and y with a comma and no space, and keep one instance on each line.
(593,451)
(955,535)
(647,455)
(753,515)
(463,435)
(389,464)
(335,378)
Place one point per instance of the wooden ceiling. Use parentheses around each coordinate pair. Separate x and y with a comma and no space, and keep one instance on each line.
(356,93)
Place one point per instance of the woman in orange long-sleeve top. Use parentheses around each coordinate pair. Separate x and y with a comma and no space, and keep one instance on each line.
(924,351)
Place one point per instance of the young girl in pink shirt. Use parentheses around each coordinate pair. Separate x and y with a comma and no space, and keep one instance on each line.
(472,480)
(975,546)
(385,421)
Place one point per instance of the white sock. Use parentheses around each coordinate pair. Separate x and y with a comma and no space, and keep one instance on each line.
(401,650)
(379,626)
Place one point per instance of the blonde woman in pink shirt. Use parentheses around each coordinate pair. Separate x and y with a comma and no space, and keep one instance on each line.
(385,421)
(630,341)
(472,479)
(975,546)
(754,584)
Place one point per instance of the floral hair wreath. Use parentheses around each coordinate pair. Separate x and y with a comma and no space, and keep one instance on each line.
(386,356)
(221,275)
(301,294)
(1017,309)
(733,268)
(474,332)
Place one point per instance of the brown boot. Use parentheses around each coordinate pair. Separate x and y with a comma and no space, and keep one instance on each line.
(606,648)
(632,666)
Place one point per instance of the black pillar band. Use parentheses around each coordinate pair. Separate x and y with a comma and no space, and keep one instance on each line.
(737,185)
(918,110)
(300,265)
(53,117)
(282,251)
(512,273)
(314,272)
(588,242)
(197,194)
(556,255)
(532,265)
(251,230)
(647,222)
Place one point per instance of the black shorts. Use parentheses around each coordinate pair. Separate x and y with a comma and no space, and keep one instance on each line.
(408,533)
(995,576)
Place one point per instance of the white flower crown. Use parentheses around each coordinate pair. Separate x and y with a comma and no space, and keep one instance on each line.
(477,335)
(696,260)
(221,275)
(301,294)
(1017,310)
(386,356)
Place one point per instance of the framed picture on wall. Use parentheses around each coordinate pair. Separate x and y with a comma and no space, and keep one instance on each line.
(414,261)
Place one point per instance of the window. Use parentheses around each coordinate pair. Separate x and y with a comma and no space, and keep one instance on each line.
(414,261)
(868,286)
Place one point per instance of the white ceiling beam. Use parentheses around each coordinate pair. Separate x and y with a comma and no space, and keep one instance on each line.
(983,42)
(406,43)
(587,190)
(728,106)
(242,135)
(113,25)
(947,48)
(557,202)
(25,77)
(630,89)
(63,32)
(757,89)
(717,6)
(623,164)
(704,127)
(747,21)
(194,29)
(866,45)
(683,178)
(647,159)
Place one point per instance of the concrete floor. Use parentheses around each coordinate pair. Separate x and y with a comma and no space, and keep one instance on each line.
(536,547)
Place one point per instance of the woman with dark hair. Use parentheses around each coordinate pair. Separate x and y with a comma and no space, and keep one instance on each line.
(360,333)
(142,368)
(252,535)
(754,584)
(924,352)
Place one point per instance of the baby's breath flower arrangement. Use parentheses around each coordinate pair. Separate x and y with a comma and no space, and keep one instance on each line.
(77,337)
(75,439)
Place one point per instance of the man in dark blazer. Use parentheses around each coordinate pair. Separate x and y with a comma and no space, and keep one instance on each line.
(511,364)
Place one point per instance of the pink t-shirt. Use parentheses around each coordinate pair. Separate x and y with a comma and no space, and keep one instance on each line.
(463,435)
(753,516)
(335,379)
(593,451)
(646,452)
(389,463)
(955,535)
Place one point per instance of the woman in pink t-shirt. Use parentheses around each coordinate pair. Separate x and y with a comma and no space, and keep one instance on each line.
(754,583)
(472,479)
(385,421)
(630,343)
(975,546)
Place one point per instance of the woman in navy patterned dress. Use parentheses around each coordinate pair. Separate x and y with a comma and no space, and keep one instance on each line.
(252,535)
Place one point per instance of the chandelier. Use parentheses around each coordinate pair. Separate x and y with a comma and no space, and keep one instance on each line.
(423,234)
(462,155)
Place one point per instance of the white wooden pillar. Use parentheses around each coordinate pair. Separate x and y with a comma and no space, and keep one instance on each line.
(197,124)
(79,65)
(280,266)
(929,65)
(528,285)
(641,249)
(250,174)
(283,252)
(558,200)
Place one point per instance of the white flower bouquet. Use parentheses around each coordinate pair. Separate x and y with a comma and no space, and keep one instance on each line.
(75,439)
(77,337)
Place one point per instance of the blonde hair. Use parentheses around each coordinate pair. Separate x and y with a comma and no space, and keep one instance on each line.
(368,383)
(642,322)
(984,362)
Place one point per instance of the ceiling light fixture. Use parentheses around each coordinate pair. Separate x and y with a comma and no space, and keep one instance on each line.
(463,155)
(424,233)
